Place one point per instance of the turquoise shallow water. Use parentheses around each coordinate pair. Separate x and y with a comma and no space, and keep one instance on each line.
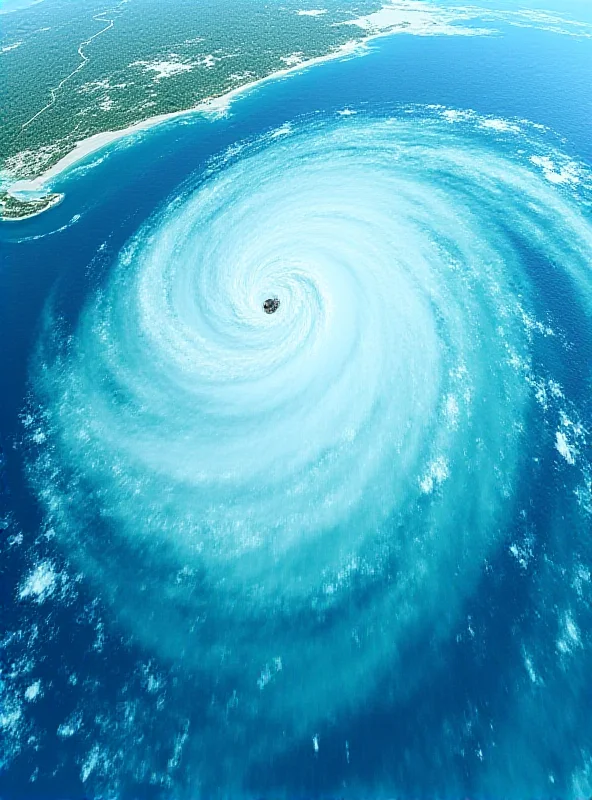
(9,6)
(341,550)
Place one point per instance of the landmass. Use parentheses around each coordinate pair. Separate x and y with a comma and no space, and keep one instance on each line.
(14,208)
(70,71)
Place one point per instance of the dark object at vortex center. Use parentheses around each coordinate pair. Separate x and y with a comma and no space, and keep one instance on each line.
(271,305)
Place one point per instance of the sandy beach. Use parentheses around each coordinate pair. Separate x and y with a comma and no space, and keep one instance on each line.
(212,106)
(396,16)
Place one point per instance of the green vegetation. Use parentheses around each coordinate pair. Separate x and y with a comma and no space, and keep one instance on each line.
(73,68)
(12,208)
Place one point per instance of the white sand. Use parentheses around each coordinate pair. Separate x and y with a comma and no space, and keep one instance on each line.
(214,106)
(396,16)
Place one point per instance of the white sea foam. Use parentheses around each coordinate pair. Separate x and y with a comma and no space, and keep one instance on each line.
(40,584)
(33,692)
(564,448)
(8,47)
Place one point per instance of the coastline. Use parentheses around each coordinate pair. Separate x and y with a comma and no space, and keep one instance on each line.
(36,188)
(52,204)
(31,187)
(394,17)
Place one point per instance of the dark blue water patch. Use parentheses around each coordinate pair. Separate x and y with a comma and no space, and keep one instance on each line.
(567,352)
(79,640)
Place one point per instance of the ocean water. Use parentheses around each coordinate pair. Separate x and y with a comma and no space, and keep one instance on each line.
(9,6)
(342,550)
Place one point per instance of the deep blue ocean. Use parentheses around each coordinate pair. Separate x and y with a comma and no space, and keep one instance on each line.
(484,689)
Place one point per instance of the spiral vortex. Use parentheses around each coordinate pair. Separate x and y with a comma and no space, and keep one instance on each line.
(286,502)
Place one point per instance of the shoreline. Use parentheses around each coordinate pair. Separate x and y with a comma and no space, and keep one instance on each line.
(437,24)
(36,188)
(219,104)
(27,188)
(55,202)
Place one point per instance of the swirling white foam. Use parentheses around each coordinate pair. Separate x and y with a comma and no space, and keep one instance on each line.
(286,502)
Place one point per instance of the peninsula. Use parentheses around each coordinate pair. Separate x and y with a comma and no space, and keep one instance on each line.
(14,208)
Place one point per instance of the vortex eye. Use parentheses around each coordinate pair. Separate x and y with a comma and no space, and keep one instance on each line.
(271,305)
